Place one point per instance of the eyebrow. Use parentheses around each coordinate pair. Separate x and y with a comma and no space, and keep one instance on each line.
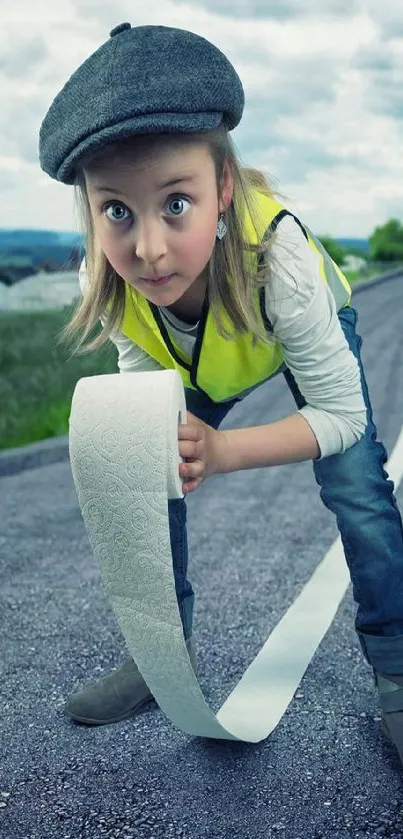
(171,182)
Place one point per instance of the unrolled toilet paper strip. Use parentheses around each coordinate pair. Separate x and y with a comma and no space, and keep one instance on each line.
(124,455)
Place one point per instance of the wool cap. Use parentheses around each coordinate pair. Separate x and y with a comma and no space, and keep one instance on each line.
(143,80)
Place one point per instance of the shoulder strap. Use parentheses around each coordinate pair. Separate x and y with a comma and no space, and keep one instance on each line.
(272,227)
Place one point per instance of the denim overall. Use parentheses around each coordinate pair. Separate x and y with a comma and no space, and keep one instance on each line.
(356,488)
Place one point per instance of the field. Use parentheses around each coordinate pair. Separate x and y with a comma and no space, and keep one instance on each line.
(37,377)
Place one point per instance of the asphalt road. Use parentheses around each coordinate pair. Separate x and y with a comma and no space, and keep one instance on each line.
(255,537)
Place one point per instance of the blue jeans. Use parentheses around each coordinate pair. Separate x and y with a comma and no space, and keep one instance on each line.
(355,487)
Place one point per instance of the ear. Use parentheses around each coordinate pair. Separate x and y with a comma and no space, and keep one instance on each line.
(226,187)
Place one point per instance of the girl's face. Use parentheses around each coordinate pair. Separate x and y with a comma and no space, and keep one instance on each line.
(147,228)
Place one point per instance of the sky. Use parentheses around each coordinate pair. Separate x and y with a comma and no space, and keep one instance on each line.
(323,82)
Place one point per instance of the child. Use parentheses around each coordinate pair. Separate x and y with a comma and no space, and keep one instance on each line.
(247,292)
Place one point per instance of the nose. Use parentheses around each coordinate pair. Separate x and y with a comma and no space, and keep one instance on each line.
(150,244)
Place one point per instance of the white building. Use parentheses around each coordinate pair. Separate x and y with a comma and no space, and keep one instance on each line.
(353,263)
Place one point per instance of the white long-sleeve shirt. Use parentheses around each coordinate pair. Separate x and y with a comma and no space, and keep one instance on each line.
(302,310)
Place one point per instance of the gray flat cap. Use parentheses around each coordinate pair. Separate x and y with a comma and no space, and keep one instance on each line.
(143,80)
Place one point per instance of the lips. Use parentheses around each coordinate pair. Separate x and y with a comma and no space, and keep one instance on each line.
(156,279)
(162,281)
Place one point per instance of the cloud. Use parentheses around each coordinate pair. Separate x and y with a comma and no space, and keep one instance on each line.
(388,17)
(383,71)
(323,112)
(279,9)
(22,56)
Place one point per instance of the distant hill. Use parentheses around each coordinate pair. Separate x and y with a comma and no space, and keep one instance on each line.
(38,247)
(362,244)
(31,238)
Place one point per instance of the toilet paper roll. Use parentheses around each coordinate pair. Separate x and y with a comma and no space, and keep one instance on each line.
(124,455)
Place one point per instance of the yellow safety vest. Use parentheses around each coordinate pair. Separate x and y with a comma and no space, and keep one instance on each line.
(224,368)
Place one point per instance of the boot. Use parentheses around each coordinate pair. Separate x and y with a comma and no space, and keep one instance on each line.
(116,696)
(390,692)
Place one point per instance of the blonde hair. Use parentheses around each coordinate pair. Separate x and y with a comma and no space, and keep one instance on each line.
(227,260)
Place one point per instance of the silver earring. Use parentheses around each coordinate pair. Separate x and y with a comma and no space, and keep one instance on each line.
(221,227)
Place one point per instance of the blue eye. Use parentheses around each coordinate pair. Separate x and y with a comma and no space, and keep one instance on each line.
(176,199)
(113,204)
(179,198)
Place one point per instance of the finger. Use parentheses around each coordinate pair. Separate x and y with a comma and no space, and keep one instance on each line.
(189,449)
(193,469)
(189,432)
(185,471)
(192,485)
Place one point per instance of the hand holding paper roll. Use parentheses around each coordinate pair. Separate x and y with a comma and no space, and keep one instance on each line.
(203,448)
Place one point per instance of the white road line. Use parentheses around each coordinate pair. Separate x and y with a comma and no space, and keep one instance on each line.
(394,466)
(285,656)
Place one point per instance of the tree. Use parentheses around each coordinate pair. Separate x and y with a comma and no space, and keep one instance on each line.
(386,242)
(336,251)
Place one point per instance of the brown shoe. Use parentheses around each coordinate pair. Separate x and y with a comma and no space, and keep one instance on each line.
(116,696)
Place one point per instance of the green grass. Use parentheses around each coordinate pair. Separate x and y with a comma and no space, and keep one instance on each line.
(352,276)
(37,379)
